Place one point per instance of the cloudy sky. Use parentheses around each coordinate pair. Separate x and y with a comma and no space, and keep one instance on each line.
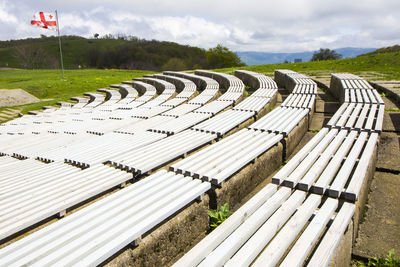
(241,25)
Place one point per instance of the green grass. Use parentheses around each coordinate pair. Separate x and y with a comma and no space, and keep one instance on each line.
(218,216)
(384,65)
(48,86)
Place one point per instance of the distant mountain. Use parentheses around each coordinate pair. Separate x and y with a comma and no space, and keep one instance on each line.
(260,58)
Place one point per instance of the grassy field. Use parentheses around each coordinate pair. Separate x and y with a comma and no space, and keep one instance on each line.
(48,86)
(387,64)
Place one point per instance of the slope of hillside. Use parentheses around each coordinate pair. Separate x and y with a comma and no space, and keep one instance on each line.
(121,53)
(385,63)
(389,49)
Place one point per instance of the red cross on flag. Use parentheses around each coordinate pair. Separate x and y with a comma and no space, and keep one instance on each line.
(45,20)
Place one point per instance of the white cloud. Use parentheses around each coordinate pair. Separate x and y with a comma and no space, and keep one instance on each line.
(5,15)
(256,25)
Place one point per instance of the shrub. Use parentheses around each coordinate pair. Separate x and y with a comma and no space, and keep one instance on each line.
(218,217)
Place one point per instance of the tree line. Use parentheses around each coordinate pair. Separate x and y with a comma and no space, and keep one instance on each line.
(117,51)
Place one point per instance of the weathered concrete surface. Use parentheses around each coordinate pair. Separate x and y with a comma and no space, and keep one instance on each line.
(363,194)
(306,138)
(391,122)
(272,103)
(242,183)
(169,241)
(294,137)
(389,103)
(326,103)
(389,152)
(15,97)
(380,229)
(318,121)
(390,88)
(342,255)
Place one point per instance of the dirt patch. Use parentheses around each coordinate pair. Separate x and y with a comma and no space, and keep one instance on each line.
(391,122)
(15,97)
(380,230)
(389,158)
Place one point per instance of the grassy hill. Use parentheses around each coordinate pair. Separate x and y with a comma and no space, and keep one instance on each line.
(389,49)
(133,53)
(112,52)
(48,86)
(385,63)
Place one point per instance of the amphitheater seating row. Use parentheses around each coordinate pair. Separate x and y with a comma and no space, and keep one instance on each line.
(182,143)
(270,223)
(49,244)
(32,191)
(336,161)
(233,85)
(286,225)
(157,154)
(90,236)
(181,123)
(210,86)
(187,143)
(79,161)
(221,160)
(113,143)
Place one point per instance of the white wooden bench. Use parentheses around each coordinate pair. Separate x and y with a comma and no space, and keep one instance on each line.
(210,86)
(224,122)
(181,123)
(221,160)
(281,120)
(256,80)
(214,107)
(92,235)
(272,227)
(181,110)
(328,162)
(233,85)
(157,154)
(42,191)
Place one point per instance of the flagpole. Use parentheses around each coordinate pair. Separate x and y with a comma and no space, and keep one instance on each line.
(59,42)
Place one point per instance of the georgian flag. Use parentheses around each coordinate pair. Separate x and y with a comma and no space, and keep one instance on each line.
(45,20)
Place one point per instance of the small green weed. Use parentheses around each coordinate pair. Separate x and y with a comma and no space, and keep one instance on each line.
(389,261)
(218,217)
(392,109)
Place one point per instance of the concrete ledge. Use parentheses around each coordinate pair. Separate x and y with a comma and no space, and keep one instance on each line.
(224,82)
(294,138)
(342,255)
(234,189)
(392,95)
(267,108)
(363,195)
(321,85)
(241,126)
(248,79)
(279,78)
(170,240)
